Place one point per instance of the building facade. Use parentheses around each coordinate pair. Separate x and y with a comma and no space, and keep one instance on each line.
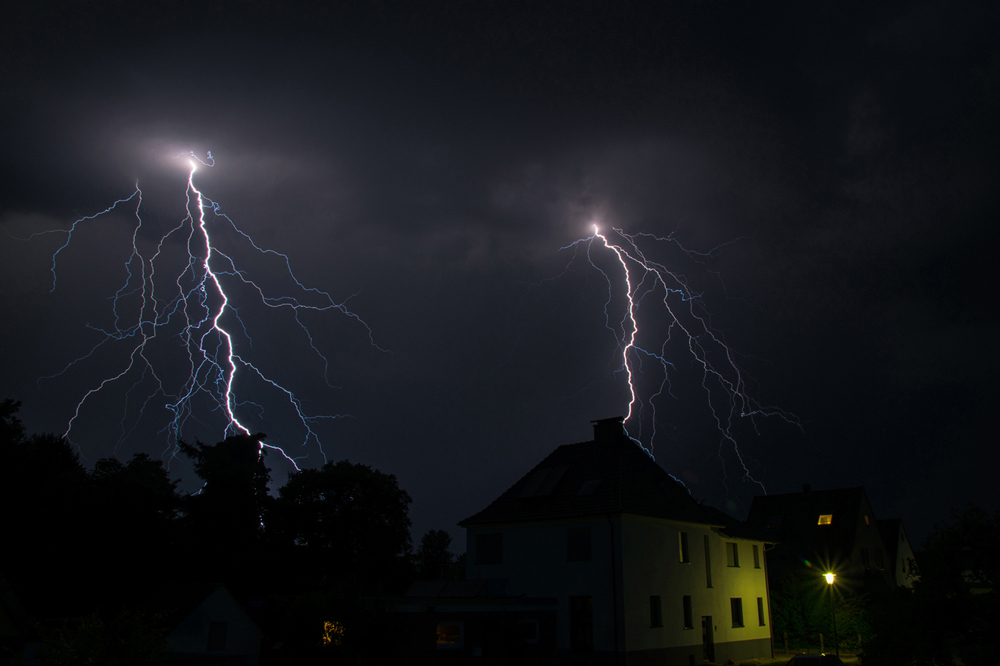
(641,573)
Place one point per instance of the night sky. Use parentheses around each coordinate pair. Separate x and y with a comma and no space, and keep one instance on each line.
(831,168)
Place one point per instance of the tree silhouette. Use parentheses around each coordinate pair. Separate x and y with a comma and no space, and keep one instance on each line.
(434,556)
(224,520)
(353,518)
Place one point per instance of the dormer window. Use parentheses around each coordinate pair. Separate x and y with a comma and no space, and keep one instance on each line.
(825,519)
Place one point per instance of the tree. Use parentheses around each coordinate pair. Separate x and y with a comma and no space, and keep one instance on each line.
(133,507)
(433,557)
(354,517)
(224,520)
(950,615)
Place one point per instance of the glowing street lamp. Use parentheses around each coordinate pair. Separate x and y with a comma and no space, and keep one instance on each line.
(830,577)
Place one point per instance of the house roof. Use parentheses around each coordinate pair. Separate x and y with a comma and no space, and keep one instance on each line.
(889,530)
(794,518)
(610,475)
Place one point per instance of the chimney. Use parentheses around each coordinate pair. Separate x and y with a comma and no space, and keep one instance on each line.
(805,488)
(610,430)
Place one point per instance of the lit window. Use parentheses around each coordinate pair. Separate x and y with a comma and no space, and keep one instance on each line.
(866,520)
(825,519)
(333,633)
(449,634)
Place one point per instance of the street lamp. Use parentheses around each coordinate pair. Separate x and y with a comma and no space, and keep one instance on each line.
(830,577)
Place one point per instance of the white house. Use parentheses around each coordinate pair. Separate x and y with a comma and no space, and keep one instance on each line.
(641,572)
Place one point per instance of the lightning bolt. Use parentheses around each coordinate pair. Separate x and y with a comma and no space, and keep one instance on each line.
(189,305)
(646,281)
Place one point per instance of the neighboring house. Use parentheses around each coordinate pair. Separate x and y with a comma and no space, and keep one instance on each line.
(207,626)
(463,621)
(640,572)
(828,531)
(898,550)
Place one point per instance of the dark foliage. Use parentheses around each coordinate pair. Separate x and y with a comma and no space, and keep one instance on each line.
(950,615)
(353,518)
(433,558)
(128,638)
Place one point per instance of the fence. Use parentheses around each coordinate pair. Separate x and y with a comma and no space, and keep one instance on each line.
(786,643)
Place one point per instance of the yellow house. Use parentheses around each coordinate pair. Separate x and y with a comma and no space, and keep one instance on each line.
(641,572)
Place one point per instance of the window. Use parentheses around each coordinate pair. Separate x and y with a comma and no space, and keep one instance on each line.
(589,487)
(732,554)
(825,519)
(578,544)
(708,563)
(543,481)
(449,634)
(217,636)
(760,611)
(867,522)
(688,613)
(655,612)
(581,624)
(774,522)
(527,631)
(864,558)
(756,556)
(489,548)
(736,606)
(683,545)
(879,561)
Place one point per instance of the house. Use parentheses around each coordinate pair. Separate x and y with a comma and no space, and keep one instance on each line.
(831,531)
(639,571)
(207,625)
(464,621)
(901,561)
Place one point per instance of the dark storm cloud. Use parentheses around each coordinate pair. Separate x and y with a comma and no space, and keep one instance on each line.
(840,159)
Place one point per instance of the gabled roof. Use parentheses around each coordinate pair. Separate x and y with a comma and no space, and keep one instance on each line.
(889,530)
(794,518)
(611,475)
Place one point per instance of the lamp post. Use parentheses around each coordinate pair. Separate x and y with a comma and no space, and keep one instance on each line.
(830,577)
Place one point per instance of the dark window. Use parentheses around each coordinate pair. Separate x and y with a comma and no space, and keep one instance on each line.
(708,563)
(732,554)
(760,611)
(581,624)
(688,613)
(217,636)
(655,612)
(756,556)
(683,544)
(864,558)
(879,561)
(736,606)
(527,631)
(489,548)
(578,544)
